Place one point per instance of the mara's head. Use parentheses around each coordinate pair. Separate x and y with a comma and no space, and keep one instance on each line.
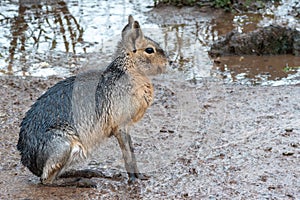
(144,52)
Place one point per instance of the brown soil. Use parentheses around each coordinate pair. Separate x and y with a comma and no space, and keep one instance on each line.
(208,141)
(271,40)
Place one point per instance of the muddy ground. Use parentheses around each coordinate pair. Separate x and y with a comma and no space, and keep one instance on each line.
(206,141)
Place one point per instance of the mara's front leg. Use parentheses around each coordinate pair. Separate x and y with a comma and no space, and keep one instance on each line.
(126,146)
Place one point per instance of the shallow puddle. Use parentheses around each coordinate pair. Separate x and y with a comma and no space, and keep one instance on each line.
(266,70)
(59,38)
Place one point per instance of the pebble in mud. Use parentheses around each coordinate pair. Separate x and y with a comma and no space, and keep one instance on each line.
(289,129)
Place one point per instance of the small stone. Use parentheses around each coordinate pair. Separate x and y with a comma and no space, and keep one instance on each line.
(2,114)
(264,178)
(287,153)
(295,145)
(268,149)
(170,131)
(289,129)
(193,171)
(185,195)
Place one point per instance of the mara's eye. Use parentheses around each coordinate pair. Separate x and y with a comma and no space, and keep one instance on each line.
(149,50)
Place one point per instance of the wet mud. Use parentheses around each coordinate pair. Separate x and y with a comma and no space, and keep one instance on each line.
(208,140)
(203,137)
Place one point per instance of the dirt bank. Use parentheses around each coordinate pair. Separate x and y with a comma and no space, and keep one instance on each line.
(210,141)
(271,40)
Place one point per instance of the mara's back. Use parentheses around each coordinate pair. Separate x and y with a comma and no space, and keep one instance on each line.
(78,103)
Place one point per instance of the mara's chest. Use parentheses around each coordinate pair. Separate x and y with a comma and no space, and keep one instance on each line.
(142,97)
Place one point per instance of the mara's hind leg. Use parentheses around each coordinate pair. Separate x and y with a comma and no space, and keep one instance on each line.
(56,154)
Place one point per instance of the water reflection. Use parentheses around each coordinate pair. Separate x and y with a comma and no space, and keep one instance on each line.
(37,26)
(44,38)
(250,70)
(189,41)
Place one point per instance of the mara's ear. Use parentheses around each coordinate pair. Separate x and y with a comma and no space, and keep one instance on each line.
(132,34)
